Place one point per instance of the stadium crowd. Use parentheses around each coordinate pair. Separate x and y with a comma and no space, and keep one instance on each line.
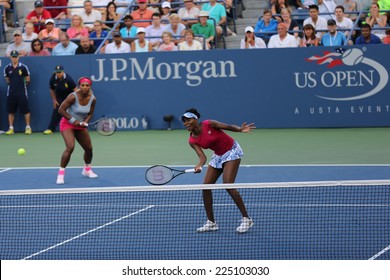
(89,26)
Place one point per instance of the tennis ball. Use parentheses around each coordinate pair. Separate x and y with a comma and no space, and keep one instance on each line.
(21,151)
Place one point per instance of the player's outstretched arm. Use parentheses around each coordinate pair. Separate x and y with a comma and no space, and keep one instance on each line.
(231,127)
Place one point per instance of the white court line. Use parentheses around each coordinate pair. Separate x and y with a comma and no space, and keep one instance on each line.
(5,170)
(242,165)
(380,253)
(87,232)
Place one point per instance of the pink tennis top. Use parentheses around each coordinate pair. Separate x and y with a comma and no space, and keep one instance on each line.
(214,139)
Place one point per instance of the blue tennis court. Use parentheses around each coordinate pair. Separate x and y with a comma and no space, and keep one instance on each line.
(117,216)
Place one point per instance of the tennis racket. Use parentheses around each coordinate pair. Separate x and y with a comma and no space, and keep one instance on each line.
(161,174)
(105,126)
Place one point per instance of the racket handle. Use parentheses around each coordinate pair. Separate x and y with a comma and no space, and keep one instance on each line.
(192,170)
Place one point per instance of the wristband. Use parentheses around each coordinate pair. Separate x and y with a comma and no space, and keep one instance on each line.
(72,120)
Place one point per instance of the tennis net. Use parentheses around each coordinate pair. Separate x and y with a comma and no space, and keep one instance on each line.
(341,220)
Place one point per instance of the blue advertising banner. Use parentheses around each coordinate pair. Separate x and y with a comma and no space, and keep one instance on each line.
(275,88)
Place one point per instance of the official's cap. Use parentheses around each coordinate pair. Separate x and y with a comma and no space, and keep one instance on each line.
(59,68)
(14,53)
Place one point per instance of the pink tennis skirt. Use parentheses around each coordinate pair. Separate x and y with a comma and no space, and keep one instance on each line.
(65,124)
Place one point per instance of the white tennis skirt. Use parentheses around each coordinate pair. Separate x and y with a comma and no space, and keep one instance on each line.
(234,153)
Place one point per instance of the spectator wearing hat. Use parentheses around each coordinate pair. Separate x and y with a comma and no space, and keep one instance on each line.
(37,49)
(189,13)
(166,11)
(141,44)
(333,37)
(89,15)
(50,35)
(128,32)
(57,13)
(117,45)
(251,41)
(86,46)
(282,39)
(38,16)
(155,30)
(142,17)
(17,77)
(29,34)
(61,85)
(319,23)
(204,28)
(65,46)
(18,44)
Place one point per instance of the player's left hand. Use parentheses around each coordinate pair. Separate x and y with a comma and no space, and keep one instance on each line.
(247,127)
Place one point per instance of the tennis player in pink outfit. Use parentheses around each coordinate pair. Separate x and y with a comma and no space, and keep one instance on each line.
(226,160)
(77,110)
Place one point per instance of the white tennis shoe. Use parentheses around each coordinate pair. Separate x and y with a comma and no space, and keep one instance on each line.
(246,224)
(60,179)
(89,174)
(208,226)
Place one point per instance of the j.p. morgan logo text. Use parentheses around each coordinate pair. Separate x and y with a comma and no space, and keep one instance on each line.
(192,72)
(349,77)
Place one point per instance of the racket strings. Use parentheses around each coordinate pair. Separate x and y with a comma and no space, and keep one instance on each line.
(159,175)
(106,126)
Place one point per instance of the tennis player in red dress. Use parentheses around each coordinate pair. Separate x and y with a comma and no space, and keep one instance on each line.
(226,160)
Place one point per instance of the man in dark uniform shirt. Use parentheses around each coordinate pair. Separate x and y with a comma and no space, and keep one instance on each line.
(61,85)
(17,77)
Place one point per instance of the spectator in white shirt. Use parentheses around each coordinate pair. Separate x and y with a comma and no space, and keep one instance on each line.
(189,13)
(251,41)
(189,44)
(319,23)
(282,39)
(342,21)
(117,45)
(29,34)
